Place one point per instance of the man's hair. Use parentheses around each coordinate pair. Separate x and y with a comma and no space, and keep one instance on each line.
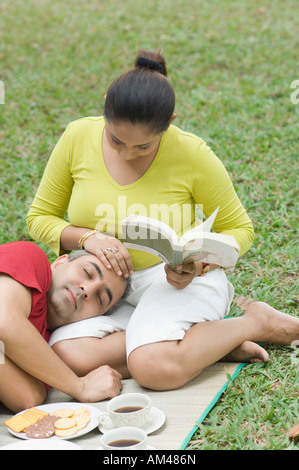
(77,254)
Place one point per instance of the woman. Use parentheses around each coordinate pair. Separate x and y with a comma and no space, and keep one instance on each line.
(134,158)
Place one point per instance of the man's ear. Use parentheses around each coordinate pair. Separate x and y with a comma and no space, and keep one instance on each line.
(59,261)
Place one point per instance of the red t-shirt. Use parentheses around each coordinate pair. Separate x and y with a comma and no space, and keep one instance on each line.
(28,264)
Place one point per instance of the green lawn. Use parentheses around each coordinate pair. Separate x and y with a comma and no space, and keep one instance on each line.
(232,64)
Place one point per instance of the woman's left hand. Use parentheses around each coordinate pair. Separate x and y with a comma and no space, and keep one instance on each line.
(183,275)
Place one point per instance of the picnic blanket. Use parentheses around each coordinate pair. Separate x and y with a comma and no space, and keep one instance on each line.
(182,408)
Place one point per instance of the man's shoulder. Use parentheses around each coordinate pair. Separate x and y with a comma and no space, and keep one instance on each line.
(27,263)
(21,248)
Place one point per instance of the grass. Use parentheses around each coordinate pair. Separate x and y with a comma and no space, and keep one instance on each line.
(232,64)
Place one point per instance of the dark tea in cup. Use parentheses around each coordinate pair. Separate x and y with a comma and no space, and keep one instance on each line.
(128,409)
(124,443)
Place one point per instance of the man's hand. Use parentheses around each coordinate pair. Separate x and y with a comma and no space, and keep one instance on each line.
(99,384)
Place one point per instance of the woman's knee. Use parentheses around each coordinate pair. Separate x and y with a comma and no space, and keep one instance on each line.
(153,367)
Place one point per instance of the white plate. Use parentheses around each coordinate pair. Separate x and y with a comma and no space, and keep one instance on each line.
(93,423)
(158,419)
(41,444)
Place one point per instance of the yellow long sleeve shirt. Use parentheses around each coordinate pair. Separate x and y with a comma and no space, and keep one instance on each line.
(77,186)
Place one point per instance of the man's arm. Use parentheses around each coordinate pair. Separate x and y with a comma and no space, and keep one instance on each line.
(30,352)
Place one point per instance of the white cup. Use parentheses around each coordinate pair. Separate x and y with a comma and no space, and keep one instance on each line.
(124,438)
(130,409)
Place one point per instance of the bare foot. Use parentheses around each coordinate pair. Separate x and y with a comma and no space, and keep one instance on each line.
(273,326)
(243,302)
(247,352)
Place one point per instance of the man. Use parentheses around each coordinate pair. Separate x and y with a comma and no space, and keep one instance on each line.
(36,298)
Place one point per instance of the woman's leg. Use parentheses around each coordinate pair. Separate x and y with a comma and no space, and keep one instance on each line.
(19,390)
(169,365)
(83,355)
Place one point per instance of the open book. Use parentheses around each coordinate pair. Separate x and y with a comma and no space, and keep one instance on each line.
(198,244)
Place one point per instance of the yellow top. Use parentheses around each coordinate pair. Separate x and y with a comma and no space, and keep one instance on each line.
(184,172)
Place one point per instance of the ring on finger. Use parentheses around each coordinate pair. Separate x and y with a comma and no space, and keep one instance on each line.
(115,250)
(107,250)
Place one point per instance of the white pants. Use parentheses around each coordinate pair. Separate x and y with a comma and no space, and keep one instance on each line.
(156,311)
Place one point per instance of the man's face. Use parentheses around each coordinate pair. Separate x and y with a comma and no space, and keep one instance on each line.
(80,289)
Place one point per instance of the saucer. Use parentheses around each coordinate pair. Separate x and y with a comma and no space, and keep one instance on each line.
(158,419)
(147,448)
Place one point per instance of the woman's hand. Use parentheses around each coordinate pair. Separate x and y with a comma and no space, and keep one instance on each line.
(184,275)
(111,252)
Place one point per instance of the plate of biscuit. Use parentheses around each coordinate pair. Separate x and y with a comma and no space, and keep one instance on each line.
(54,421)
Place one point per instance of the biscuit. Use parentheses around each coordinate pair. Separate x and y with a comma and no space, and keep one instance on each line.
(63,413)
(34,415)
(65,423)
(18,423)
(36,431)
(37,412)
(39,424)
(43,429)
(32,418)
(66,432)
(82,421)
(81,410)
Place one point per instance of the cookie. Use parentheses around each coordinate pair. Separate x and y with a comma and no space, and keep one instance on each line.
(81,410)
(65,423)
(39,424)
(63,413)
(18,423)
(36,431)
(66,432)
(34,415)
(82,421)
(49,419)
(43,429)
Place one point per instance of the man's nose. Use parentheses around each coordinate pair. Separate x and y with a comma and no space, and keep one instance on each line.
(88,289)
(83,292)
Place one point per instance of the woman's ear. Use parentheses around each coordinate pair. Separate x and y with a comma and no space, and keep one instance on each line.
(59,261)
(174,115)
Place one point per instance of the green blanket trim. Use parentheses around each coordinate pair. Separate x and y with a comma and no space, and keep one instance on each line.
(210,406)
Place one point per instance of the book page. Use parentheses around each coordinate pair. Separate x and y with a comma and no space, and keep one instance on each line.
(204,227)
(160,247)
(213,248)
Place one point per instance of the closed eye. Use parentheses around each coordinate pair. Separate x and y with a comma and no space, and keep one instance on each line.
(115,140)
(87,273)
(144,147)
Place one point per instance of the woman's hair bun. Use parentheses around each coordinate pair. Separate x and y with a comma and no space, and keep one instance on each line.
(152,60)
(149,64)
